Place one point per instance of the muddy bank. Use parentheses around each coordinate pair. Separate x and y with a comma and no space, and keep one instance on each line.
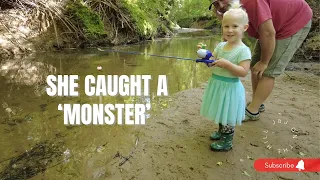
(305,67)
(175,144)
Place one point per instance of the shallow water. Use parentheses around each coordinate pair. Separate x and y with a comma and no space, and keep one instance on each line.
(31,127)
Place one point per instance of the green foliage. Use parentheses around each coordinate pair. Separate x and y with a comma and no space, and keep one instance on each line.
(213,23)
(185,22)
(249,41)
(89,21)
(190,10)
(313,43)
(145,25)
(150,17)
(315,6)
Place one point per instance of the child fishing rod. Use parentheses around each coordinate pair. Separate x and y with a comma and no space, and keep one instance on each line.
(204,54)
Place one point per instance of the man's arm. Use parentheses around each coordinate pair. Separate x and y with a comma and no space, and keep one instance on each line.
(267,40)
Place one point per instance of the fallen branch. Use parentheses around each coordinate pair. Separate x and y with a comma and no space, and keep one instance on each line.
(289,76)
(125,159)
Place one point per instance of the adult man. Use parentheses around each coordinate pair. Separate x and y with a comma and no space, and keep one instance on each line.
(280,27)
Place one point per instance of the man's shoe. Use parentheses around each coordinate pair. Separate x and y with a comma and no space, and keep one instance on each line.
(251,117)
(224,144)
(217,134)
(262,108)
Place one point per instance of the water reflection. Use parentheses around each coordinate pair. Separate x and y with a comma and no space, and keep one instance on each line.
(25,71)
(86,151)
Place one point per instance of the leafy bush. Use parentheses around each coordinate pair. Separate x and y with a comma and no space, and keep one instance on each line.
(89,21)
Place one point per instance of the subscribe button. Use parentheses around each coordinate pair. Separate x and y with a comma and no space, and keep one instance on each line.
(287,165)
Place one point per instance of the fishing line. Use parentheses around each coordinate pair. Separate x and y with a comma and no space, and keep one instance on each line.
(203,53)
(140,53)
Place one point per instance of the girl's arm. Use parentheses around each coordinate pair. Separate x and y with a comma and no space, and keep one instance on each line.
(214,54)
(240,70)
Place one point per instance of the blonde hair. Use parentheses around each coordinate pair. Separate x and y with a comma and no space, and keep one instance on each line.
(235,8)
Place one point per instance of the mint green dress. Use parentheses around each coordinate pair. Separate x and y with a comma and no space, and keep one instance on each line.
(224,97)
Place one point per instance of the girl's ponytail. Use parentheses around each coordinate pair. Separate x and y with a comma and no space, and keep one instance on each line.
(235,8)
(235,4)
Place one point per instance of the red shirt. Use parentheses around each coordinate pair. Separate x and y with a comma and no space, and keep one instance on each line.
(288,16)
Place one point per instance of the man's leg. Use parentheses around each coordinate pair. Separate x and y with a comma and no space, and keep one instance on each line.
(263,90)
(254,83)
(255,59)
(284,52)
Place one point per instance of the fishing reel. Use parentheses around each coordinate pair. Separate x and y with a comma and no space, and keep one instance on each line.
(204,54)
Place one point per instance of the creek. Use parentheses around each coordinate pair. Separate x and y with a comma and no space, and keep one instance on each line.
(35,142)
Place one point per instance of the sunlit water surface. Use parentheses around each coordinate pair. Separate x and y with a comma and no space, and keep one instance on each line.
(33,137)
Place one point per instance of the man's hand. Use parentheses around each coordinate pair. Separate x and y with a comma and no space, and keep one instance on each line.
(259,68)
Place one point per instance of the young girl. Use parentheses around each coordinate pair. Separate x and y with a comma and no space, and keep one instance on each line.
(224,97)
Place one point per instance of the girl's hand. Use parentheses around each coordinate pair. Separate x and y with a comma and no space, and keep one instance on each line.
(221,62)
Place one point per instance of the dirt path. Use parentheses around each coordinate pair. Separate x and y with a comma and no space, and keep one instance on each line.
(175,144)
